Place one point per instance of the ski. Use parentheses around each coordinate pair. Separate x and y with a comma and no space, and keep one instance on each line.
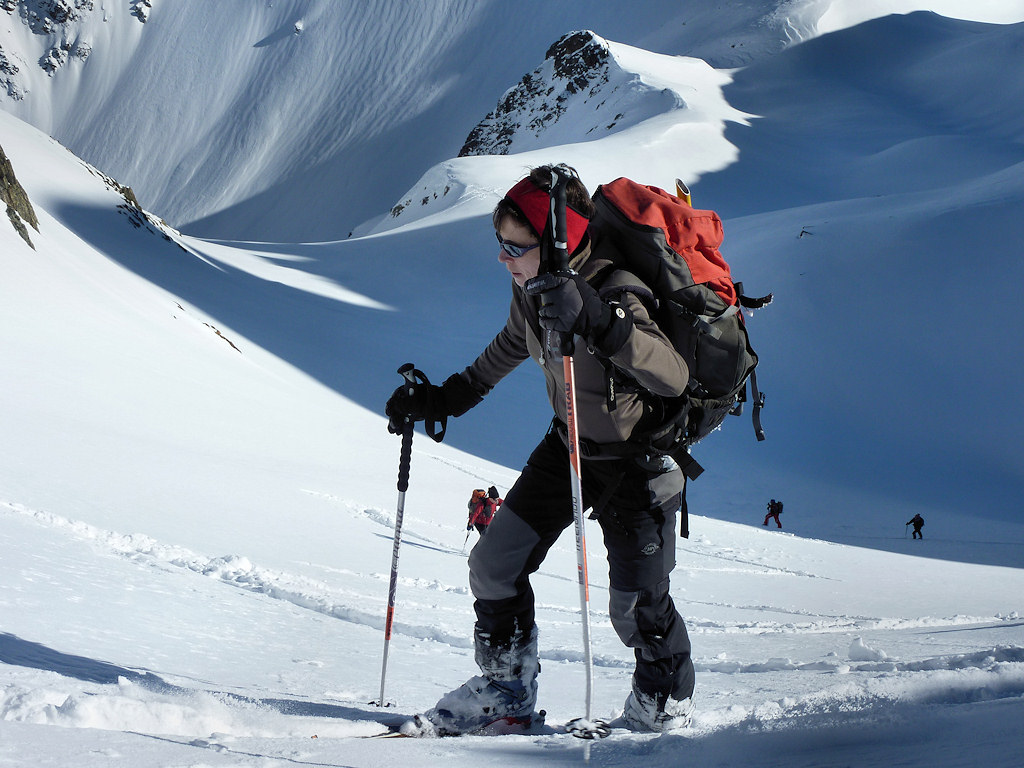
(419,727)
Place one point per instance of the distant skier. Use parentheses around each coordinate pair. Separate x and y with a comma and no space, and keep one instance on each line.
(918,522)
(774,510)
(482,507)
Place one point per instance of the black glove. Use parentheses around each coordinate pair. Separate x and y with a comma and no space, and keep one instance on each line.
(430,403)
(414,403)
(570,305)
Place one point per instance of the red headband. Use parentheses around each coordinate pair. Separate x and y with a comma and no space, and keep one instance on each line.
(535,204)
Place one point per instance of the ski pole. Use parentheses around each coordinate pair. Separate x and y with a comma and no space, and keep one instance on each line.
(409,372)
(586,729)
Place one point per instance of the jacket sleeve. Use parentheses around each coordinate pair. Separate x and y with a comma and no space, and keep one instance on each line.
(502,355)
(647,355)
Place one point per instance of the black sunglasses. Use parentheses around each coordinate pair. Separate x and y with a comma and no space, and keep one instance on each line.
(513,250)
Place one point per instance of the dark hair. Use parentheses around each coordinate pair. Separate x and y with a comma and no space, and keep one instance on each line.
(576,196)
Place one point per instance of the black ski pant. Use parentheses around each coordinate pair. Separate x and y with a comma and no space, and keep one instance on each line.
(638,499)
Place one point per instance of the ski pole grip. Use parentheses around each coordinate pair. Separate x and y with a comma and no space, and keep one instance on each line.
(559,226)
(560,252)
(561,342)
(408,372)
(405,458)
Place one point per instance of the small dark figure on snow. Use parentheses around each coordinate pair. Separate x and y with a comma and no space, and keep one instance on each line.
(482,507)
(918,522)
(774,510)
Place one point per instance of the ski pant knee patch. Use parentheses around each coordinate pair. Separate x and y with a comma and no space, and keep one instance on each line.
(647,620)
(499,559)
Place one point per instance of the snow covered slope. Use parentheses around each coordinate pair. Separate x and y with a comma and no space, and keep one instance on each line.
(197,535)
(197,489)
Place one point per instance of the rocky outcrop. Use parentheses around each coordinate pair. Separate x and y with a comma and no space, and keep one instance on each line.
(46,16)
(58,25)
(57,56)
(9,76)
(141,9)
(575,66)
(19,207)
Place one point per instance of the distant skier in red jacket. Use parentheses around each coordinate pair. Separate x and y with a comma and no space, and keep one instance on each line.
(482,507)
(774,510)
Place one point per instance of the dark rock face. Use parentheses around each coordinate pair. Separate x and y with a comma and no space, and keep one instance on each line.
(19,207)
(44,16)
(54,20)
(575,64)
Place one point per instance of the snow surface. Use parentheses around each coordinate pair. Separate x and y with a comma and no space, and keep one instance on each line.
(197,490)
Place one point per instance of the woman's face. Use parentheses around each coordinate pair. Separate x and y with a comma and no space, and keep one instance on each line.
(527,265)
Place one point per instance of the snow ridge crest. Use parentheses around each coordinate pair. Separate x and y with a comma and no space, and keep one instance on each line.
(579,93)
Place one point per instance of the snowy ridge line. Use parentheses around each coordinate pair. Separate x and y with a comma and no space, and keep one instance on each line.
(236,570)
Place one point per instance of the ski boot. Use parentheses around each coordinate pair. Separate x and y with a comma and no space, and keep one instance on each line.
(656,713)
(502,699)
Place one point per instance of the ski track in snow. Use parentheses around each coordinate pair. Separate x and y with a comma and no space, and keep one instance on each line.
(239,571)
(865,687)
(729,555)
(309,594)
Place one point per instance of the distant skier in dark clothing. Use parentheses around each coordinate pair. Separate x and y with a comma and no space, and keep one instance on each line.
(918,522)
(774,510)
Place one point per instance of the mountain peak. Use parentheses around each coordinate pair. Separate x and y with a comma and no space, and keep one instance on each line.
(576,66)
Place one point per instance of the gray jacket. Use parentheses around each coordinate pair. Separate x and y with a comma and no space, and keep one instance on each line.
(647,356)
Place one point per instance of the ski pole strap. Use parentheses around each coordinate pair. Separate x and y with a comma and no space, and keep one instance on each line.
(750,302)
(435,429)
(684,512)
(758,405)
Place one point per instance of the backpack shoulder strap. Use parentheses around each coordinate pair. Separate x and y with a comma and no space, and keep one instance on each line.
(611,282)
(615,282)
